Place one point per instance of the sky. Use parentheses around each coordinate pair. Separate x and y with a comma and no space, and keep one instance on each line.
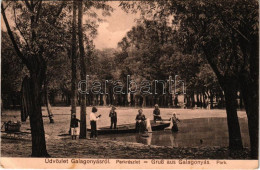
(115,28)
(111,31)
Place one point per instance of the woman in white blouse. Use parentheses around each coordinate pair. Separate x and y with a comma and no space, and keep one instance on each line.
(93,122)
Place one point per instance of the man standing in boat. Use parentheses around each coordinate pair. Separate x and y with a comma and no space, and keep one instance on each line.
(93,122)
(156,113)
(140,125)
(113,116)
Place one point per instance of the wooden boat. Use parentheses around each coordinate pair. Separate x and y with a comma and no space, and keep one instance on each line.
(130,128)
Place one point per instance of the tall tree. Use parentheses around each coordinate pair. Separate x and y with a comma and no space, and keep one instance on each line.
(225,34)
(83,130)
(90,27)
(36,65)
(74,60)
(33,28)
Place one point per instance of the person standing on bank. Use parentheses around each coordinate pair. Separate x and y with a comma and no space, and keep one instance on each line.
(113,116)
(74,130)
(93,122)
(156,113)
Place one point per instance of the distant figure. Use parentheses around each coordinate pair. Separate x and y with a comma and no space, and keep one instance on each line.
(113,116)
(74,130)
(93,122)
(156,113)
(201,141)
(140,125)
(175,121)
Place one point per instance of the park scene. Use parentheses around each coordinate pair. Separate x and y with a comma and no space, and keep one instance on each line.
(130,79)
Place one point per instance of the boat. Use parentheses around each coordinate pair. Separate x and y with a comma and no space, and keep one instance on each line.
(130,128)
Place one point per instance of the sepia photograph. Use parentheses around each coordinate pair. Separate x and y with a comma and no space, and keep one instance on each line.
(97,84)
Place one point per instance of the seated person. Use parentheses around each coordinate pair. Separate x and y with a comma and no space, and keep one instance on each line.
(140,125)
(156,113)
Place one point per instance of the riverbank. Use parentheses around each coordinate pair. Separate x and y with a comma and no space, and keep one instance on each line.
(103,148)
(63,146)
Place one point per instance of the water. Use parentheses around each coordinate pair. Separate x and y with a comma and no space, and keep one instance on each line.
(210,126)
(192,133)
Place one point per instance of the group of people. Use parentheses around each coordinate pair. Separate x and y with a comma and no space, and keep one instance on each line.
(140,121)
(93,122)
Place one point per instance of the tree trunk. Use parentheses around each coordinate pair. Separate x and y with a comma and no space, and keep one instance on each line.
(249,83)
(249,90)
(253,126)
(223,101)
(36,122)
(83,123)
(31,93)
(251,105)
(144,101)
(68,99)
(235,141)
(192,100)
(73,63)
(105,99)
(211,99)
(111,96)
(131,99)
(101,100)
(48,106)
(125,100)
(197,99)
(240,100)
(204,100)
(187,100)
(170,100)
(201,102)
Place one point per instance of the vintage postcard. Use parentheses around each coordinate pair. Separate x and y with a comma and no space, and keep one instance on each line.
(102,84)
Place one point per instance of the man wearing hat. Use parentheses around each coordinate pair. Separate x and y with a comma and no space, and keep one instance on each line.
(156,113)
(113,116)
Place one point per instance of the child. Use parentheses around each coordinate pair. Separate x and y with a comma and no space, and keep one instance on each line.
(74,127)
(113,116)
(93,122)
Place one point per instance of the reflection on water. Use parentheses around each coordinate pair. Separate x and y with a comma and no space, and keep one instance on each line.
(192,132)
(145,140)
